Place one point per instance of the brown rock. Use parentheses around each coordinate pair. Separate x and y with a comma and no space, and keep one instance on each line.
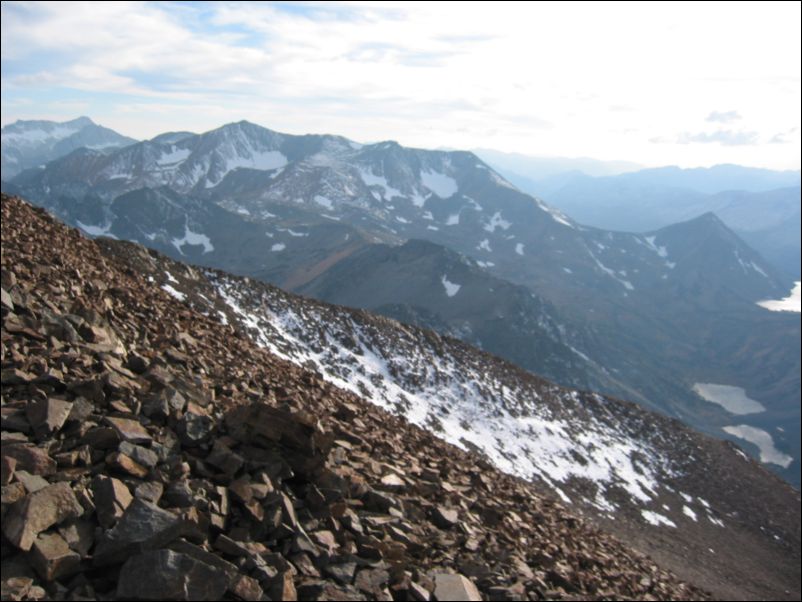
(129,430)
(141,455)
(52,557)
(150,491)
(32,459)
(31,482)
(111,497)
(48,415)
(39,511)
(79,534)
(223,458)
(7,466)
(282,587)
(125,463)
(246,588)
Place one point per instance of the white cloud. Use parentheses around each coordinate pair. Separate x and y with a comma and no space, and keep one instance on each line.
(725,137)
(723,116)
(533,78)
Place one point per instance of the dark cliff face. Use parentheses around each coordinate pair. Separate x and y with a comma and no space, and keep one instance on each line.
(144,428)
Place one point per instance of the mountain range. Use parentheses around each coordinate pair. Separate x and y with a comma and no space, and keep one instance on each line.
(429,237)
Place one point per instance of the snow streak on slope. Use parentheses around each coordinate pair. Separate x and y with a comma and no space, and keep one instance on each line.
(525,426)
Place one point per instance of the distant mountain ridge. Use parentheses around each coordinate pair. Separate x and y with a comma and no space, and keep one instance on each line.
(28,144)
(762,206)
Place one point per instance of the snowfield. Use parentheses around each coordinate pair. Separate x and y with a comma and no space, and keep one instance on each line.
(535,431)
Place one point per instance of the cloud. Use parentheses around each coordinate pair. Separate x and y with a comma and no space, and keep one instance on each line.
(723,116)
(723,137)
(429,74)
(786,137)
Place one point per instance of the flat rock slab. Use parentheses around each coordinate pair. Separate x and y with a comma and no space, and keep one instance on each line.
(454,587)
(129,430)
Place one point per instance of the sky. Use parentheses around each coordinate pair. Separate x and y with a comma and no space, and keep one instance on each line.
(689,84)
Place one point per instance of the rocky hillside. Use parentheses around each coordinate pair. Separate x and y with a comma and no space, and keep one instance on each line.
(151,452)
(151,449)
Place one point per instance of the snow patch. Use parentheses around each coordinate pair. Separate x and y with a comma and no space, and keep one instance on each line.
(484,246)
(279,246)
(458,400)
(789,303)
(173,158)
(497,222)
(324,202)
(453,220)
(96,230)
(657,519)
(442,185)
(177,294)
(451,288)
(192,238)
(556,215)
(519,248)
(371,179)
(625,283)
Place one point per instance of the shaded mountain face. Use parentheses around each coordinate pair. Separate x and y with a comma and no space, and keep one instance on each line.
(651,315)
(427,285)
(29,144)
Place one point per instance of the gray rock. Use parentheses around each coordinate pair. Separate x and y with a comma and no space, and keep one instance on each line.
(144,526)
(194,429)
(169,575)
(141,455)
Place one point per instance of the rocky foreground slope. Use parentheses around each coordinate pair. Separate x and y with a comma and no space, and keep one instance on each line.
(150,452)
